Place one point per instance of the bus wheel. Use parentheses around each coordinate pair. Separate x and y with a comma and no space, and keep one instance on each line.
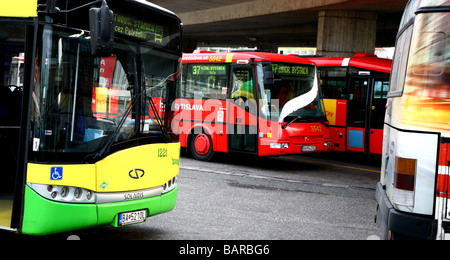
(202,147)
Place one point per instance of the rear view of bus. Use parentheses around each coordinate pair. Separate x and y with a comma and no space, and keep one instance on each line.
(413,191)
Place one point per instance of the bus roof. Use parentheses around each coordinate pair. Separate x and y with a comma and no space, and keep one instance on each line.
(201,56)
(360,60)
(414,5)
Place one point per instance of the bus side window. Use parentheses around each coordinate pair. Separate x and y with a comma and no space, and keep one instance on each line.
(334,82)
(243,89)
(357,102)
(399,64)
(11,92)
(209,80)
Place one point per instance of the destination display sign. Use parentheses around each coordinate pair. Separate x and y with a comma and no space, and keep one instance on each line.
(137,28)
(209,70)
(290,70)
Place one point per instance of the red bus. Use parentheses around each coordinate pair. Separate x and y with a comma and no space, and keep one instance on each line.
(259,103)
(355,96)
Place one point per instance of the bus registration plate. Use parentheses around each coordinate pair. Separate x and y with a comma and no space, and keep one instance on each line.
(132,217)
(309,148)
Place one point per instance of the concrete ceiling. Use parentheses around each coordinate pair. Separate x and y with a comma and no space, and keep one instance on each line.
(273,22)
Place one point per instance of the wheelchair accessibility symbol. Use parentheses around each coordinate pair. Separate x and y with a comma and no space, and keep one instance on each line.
(56,173)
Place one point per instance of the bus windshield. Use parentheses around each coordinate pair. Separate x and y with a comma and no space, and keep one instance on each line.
(83,103)
(294,94)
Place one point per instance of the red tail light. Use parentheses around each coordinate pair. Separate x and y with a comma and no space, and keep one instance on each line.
(405,173)
(404,181)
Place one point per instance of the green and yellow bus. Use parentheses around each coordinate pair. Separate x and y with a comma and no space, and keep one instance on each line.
(85,136)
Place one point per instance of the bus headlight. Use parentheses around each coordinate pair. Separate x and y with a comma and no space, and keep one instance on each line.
(78,193)
(64,193)
(279,145)
(327,144)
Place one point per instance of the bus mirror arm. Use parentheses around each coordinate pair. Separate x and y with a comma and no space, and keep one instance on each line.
(51,7)
(101,22)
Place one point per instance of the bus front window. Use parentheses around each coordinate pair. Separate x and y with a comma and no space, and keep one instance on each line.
(294,95)
(81,102)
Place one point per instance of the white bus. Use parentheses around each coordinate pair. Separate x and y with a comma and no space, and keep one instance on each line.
(413,193)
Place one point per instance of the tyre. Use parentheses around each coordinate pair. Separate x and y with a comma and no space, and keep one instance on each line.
(201,147)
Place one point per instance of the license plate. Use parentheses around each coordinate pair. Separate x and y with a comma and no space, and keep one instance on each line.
(132,217)
(309,148)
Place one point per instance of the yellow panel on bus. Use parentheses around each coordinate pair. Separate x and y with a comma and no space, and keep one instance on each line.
(82,175)
(330,107)
(19,8)
(136,168)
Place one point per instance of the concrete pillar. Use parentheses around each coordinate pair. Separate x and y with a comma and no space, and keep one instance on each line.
(344,33)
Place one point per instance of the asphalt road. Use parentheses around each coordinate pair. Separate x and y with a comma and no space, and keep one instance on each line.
(315,197)
(319,197)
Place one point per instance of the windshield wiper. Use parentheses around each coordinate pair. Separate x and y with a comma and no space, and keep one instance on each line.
(105,150)
(306,119)
(288,124)
(159,121)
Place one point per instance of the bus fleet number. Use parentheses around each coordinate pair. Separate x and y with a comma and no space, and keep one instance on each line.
(215,59)
(316,128)
(162,152)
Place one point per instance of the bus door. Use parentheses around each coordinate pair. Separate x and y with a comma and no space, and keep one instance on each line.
(243,111)
(377,113)
(365,117)
(443,187)
(11,88)
(357,124)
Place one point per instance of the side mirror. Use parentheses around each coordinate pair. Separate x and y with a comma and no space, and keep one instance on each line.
(102,30)
(268,74)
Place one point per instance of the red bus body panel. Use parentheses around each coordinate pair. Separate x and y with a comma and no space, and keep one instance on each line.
(336,109)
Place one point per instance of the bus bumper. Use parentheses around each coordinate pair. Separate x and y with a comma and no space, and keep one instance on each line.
(267,148)
(395,224)
(108,213)
(45,217)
